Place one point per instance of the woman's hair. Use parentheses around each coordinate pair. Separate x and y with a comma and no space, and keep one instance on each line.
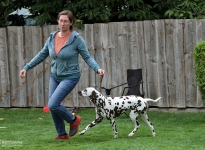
(70,17)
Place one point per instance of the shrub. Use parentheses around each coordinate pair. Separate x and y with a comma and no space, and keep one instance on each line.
(199,59)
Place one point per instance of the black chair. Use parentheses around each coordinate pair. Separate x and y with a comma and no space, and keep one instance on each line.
(134,81)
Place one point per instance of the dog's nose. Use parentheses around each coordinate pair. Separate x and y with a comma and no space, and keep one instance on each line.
(80,93)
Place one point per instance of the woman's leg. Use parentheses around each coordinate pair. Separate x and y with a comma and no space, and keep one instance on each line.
(58,90)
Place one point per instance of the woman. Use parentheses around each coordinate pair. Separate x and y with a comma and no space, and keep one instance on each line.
(63,47)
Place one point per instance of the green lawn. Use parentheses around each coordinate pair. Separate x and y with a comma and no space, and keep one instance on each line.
(32,129)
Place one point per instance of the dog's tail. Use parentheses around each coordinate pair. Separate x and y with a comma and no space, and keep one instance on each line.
(151,100)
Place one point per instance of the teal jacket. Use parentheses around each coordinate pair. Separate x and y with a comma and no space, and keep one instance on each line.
(65,65)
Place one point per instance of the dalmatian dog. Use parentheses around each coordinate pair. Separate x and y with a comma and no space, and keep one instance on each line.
(110,108)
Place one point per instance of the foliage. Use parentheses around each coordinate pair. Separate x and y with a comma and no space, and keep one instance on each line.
(8,6)
(199,58)
(180,9)
(46,11)
(95,11)
(187,9)
(17,20)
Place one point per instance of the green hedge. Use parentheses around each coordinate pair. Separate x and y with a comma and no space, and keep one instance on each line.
(199,59)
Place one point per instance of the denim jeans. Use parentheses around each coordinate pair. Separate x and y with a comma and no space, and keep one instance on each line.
(58,90)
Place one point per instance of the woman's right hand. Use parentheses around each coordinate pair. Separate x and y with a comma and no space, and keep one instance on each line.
(23,73)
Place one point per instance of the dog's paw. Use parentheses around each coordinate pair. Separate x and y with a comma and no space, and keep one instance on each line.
(154,134)
(115,134)
(81,133)
(131,134)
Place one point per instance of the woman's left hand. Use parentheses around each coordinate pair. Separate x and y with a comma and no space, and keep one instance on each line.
(101,72)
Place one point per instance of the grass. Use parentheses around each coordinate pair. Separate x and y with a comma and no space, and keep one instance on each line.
(32,129)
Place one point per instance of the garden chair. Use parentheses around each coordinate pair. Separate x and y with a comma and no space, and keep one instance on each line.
(134,82)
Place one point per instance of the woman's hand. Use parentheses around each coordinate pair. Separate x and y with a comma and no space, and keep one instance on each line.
(23,73)
(101,72)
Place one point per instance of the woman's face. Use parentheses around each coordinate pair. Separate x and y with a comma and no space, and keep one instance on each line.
(64,23)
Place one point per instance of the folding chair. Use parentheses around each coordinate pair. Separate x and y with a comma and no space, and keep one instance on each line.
(134,80)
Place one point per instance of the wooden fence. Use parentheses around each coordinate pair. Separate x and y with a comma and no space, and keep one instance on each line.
(162,48)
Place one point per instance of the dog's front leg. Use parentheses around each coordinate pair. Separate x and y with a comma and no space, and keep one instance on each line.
(133,117)
(92,124)
(96,112)
(112,122)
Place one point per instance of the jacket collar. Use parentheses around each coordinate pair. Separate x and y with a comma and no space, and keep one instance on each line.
(73,35)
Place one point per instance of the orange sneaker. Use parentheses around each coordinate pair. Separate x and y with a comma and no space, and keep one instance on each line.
(74,126)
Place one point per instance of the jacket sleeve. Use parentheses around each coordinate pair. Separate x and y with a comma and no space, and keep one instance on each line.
(41,56)
(82,49)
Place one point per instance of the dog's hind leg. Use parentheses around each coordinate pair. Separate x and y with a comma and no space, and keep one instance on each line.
(92,124)
(145,118)
(112,122)
(134,119)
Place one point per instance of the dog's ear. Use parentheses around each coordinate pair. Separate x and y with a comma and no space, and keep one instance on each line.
(93,95)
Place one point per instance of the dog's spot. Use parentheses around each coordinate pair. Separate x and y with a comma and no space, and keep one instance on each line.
(117,111)
(93,95)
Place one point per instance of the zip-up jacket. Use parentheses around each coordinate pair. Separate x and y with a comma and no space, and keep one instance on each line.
(64,65)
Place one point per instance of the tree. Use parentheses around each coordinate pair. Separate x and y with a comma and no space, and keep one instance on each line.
(8,6)
(179,9)
(95,11)
(45,12)
(103,11)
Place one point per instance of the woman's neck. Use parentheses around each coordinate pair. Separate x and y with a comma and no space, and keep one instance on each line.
(62,34)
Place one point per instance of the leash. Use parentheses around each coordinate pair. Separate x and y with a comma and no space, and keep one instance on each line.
(101,78)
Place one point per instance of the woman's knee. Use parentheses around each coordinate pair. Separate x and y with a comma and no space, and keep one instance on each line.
(52,106)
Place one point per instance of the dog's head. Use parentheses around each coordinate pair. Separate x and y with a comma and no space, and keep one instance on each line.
(90,92)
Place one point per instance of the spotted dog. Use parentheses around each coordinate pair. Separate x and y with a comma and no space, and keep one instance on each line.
(109,108)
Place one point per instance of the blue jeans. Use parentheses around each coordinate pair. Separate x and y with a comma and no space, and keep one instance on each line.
(58,90)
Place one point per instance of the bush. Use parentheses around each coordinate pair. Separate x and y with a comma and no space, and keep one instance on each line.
(199,59)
